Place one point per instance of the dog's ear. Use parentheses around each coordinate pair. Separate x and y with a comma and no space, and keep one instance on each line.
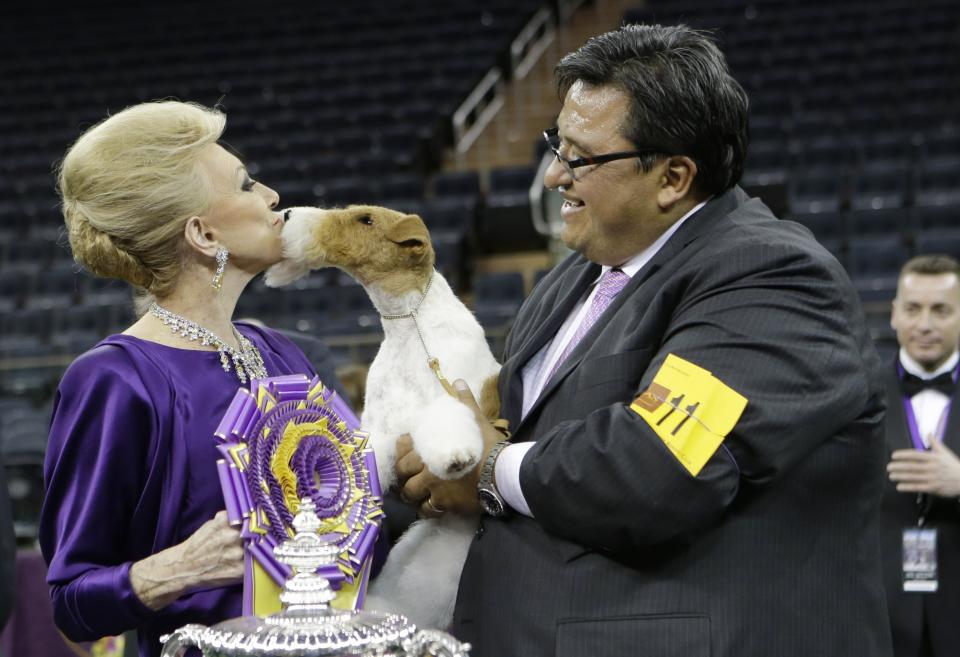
(409,232)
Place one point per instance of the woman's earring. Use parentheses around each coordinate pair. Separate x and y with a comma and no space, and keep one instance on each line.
(222,255)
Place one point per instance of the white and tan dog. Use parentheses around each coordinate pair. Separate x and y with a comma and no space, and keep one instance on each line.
(390,255)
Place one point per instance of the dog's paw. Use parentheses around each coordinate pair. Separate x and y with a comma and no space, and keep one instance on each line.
(447,438)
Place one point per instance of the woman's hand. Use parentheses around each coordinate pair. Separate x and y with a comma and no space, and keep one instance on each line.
(212,556)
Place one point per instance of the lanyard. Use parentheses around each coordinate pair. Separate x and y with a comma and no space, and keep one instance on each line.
(912,418)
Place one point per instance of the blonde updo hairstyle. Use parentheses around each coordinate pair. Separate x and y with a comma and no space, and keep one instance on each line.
(130,183)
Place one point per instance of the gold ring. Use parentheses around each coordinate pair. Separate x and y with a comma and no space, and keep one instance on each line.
(433,507)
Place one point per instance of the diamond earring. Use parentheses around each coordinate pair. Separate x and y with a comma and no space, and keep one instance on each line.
(222,255)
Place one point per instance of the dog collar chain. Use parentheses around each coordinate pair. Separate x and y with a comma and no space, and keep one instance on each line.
(413,313)
(432,362)
(247,361)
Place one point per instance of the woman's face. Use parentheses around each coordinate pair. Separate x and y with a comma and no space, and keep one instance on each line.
(241,215)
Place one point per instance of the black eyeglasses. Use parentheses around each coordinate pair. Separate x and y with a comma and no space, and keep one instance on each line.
(552,138)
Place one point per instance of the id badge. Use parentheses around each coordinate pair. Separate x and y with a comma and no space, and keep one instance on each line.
(919,560)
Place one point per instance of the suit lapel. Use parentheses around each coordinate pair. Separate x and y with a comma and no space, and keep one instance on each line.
(549,316)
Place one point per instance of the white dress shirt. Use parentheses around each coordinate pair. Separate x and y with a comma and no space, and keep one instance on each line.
(929,406)
(537,370)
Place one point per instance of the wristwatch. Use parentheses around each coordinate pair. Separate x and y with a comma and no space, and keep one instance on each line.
(490,499)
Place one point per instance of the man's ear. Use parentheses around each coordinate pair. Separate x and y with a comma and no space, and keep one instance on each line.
(199,236)
(676,182)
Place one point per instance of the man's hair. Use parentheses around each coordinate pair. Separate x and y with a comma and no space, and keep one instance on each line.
(683,100)
(932,264)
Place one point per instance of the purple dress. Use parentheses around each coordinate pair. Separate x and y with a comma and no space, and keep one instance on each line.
(130,470)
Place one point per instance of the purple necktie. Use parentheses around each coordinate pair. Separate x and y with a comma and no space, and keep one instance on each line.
(609,287)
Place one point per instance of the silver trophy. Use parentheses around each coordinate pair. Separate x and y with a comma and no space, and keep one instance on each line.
(307,626)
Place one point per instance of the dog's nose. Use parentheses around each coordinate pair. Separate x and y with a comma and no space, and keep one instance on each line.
(286,215)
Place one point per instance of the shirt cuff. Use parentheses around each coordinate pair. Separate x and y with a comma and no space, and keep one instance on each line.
(507,476)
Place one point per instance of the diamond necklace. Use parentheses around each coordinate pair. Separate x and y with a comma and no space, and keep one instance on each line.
(247,361)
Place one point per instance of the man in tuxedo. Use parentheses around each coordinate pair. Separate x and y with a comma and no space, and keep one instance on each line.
(923,437)
(697,456)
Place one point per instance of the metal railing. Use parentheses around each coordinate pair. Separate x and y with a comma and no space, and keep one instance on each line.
(478,110)
(532,41)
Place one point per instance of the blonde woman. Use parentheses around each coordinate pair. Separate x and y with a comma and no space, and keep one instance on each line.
(130,525)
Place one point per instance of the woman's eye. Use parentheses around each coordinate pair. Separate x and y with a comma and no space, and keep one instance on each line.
(248,184)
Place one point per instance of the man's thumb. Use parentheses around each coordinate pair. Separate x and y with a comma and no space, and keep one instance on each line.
(464,393)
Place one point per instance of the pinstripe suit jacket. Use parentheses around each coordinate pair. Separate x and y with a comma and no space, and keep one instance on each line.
(772,550)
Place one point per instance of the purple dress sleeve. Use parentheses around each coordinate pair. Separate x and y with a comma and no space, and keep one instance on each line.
(101,436)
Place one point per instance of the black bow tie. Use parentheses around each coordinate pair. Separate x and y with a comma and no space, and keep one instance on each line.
(912,385)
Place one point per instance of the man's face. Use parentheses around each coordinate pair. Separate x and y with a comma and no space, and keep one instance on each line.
(611,211)
(926,317)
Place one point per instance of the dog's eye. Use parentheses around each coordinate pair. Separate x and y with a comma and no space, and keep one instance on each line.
(365,219)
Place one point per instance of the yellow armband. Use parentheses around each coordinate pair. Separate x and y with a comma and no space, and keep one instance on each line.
(691,411)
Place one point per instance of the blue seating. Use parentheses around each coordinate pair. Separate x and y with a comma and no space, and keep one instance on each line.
(497,297)
(877,259)
(504,223)
(940,241)
(938,183)
(880,185)
(461,184)
(936,217)
(814,191)
(825,225)
(455,214)
(878,222)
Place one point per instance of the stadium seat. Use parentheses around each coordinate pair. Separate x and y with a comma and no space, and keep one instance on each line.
(878,222)
(505,224)
(879,185)
(497,297)
(825,225)
(940,241)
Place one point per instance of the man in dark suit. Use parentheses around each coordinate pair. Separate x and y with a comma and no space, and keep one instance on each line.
(697,453)
(923,437)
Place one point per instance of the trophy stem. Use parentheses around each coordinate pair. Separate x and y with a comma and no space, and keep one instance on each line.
(305,553)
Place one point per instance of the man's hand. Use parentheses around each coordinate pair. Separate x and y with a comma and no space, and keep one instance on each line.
(936,471)
(435,496)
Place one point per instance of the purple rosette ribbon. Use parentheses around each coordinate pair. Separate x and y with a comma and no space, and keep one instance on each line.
(287,438)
